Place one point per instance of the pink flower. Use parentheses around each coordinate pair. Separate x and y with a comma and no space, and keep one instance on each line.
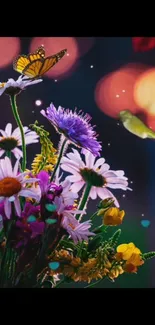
(78,231)
(13,185)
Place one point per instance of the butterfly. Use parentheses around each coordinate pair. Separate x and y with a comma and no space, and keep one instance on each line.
(34,65)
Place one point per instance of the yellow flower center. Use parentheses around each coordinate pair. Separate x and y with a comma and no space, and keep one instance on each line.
(9,186)
(2,84)
(73,227)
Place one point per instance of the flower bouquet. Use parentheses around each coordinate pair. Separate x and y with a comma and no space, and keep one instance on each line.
(46,234)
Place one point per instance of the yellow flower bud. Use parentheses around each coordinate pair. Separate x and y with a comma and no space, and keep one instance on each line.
(113,217)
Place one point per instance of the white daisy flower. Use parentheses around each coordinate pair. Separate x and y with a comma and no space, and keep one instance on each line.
(14,87)
(10,141)
(97,173)
(13,185)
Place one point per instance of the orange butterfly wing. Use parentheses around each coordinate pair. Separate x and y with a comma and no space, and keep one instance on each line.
(22,61)
(35,64)
(50,61)
(38,54)
(33,68)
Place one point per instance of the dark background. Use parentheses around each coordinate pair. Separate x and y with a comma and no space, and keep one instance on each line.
(126,151)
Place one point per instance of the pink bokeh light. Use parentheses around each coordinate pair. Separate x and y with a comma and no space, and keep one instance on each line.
(10,48)
(114,92)
(52,46)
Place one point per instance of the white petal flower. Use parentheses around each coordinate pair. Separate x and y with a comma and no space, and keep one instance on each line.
(20,84)
(13,185)
(10,141)
(97,173)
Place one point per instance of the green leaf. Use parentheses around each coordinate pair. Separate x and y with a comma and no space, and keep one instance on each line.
(114,239)
(100,229)
(8,267)
(147,256)
(50,207)
(67,279)
(67,244)
(95,242)
(2,235)
(46,284)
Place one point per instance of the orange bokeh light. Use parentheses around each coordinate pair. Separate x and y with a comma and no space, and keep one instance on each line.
(114,92)
(52,46)
(10,48)
(144,91)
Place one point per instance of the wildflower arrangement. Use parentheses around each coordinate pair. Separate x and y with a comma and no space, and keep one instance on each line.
(46,234)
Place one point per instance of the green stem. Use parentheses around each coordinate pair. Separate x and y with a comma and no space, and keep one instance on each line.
(94,215)
(84,199)
(93,284)
(8,154)
(100,229)
(19,123)
(80,249)
(59,158)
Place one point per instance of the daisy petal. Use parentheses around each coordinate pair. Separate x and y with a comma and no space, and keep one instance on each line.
(18,153)
(8,129)
(104,168)
(7,208)
(69,168)
(17,206)
(2,90)
(74,178)
(76,187)
(99,163)
(1,152)
(8,166)
(90,158)
(15,170)
(4,134)
(117,186)
(30,193)
(93,193)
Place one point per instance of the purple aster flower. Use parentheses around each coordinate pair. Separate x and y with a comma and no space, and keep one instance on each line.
(46,186)
(29,210)
(75,126)
(78,231)
(28,227)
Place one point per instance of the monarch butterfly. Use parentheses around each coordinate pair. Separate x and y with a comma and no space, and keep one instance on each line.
(34,65)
